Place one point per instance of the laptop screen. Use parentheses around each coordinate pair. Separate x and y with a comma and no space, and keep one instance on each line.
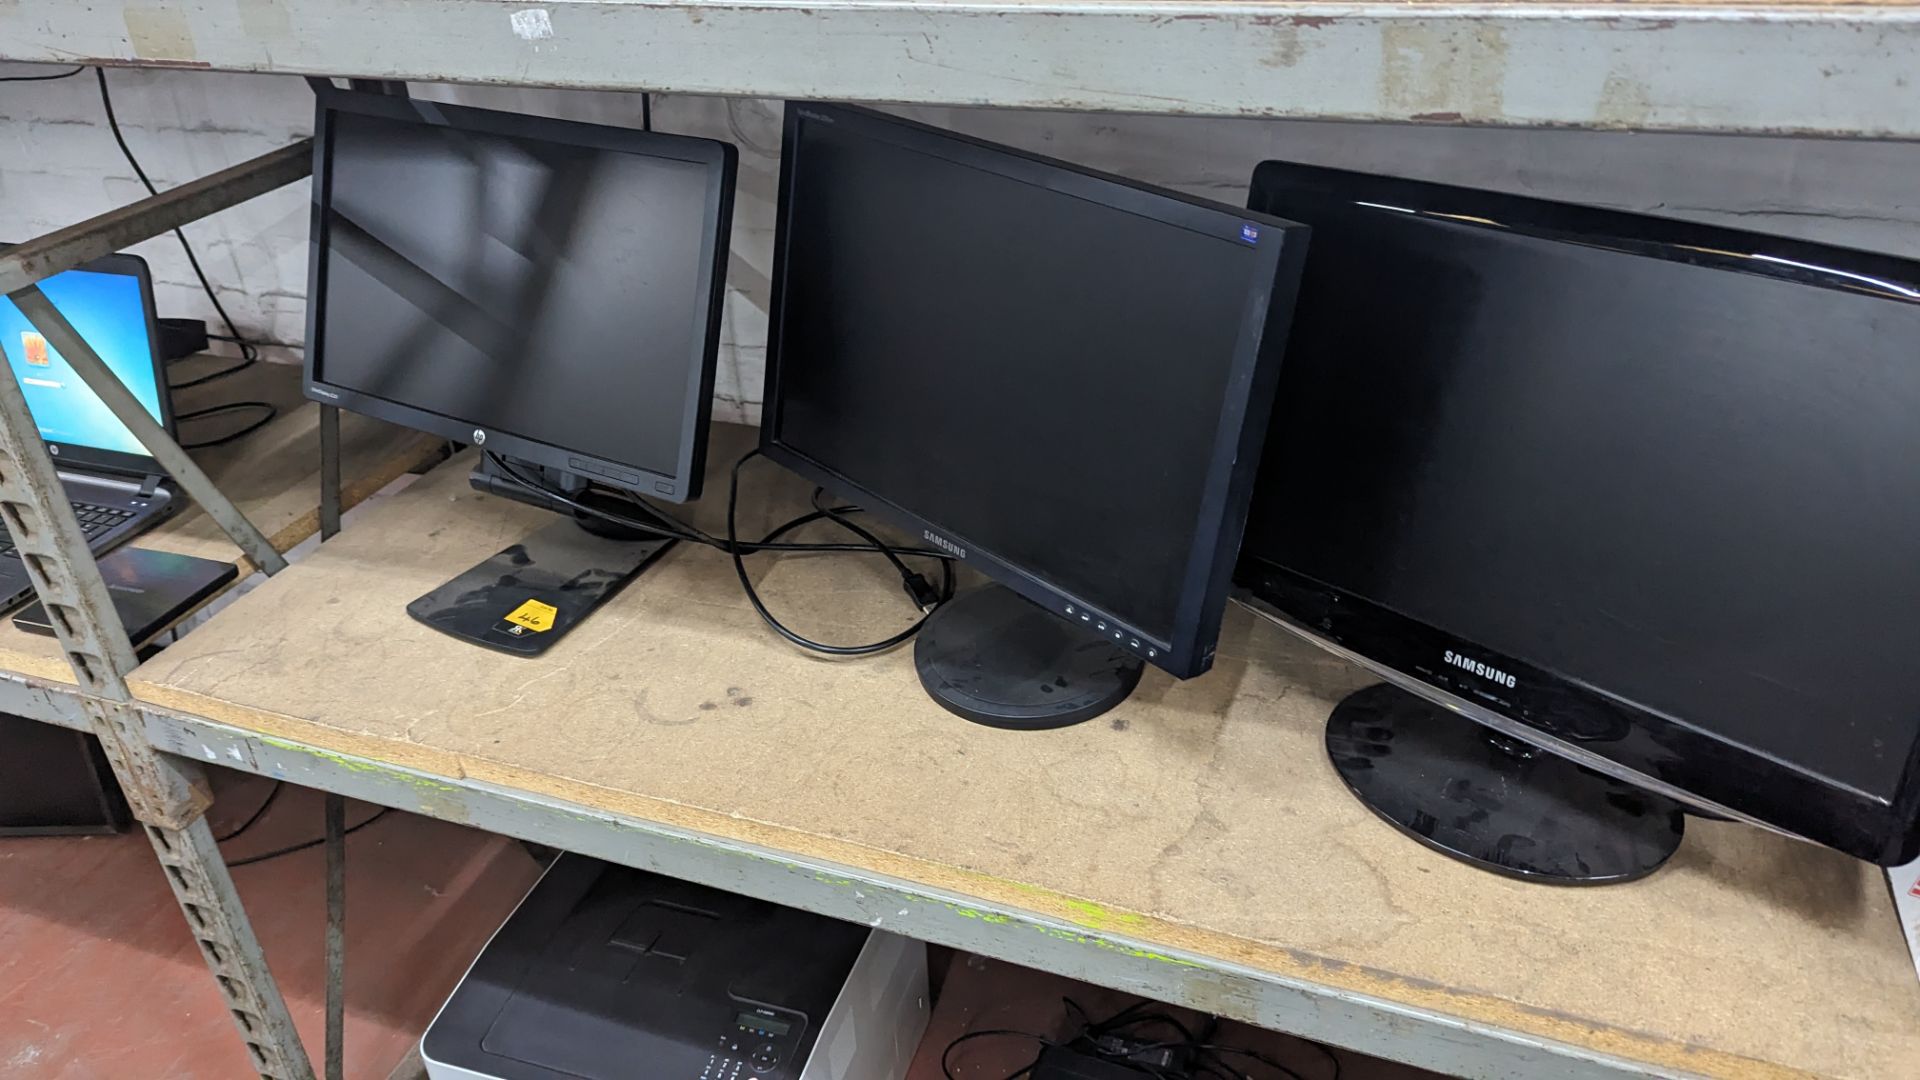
(107,310)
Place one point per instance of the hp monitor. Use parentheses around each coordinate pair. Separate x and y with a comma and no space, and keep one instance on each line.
(1061,378)
(547,291)
(1623,509)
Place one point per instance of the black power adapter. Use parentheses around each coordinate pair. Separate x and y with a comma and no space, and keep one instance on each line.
(180,338)
(1060,1063)
(1124,1060)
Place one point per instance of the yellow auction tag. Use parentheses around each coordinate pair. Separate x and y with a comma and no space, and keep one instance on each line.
(534,615)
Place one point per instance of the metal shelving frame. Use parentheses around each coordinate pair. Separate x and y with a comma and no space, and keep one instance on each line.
(167,793)
(1101,953)
(1808,69)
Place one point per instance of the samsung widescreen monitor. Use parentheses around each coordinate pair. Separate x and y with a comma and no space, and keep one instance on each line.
(1059,377)
(1623,509)
(547,291)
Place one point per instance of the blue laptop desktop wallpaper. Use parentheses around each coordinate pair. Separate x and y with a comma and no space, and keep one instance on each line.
(107,311)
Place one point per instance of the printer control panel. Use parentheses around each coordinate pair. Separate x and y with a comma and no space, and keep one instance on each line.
(756,1045)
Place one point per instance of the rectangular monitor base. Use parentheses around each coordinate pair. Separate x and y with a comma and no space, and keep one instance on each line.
(526,597)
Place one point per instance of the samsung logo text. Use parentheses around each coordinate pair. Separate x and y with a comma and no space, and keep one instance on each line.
(944,544)
(1480,669)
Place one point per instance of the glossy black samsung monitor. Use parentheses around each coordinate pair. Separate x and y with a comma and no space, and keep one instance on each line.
(547,291)
(1640,492)
(1060,377)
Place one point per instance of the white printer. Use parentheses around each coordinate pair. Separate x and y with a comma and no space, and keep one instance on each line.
(609,973)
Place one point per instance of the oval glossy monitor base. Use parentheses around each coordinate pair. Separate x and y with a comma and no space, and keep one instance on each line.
(995,658)
(1459,787)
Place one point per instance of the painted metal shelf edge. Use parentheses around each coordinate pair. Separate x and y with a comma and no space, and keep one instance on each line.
(1372,1012)
(1813,68)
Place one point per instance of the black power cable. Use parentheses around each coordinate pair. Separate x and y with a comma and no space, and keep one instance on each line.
(661,523)
(268,408)
(658,522)
(235,864)
(946,1056)
(924,597)
(249,354)
(43,78)
(258,813)
(1103,1039)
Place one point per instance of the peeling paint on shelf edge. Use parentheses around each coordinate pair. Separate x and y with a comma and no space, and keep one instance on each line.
(360,765)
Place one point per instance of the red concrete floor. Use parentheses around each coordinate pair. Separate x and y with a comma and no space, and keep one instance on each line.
(99,979)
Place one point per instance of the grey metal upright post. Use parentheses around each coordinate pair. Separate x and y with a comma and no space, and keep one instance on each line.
(336,835)
(168,794)
(336,804)
(329,471)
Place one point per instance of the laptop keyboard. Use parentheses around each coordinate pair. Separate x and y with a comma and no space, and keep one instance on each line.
(94,522)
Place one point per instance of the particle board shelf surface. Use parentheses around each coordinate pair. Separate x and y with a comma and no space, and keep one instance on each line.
(272,475)
(1200,816)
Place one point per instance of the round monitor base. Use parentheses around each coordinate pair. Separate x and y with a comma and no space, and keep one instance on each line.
(995,658)
(1460,788)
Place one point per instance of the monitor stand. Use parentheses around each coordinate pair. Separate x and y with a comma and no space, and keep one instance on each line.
(1497,802)
(527,597)
(996,658)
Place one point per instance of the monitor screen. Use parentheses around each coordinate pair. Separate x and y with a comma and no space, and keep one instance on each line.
(107,310)
(1684,474)
(1040,373)
(540,288)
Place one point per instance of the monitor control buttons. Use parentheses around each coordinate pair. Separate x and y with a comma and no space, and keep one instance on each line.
(1120,633)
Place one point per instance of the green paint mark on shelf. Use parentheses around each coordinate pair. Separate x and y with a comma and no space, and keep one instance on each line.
(360,765)
(991,917)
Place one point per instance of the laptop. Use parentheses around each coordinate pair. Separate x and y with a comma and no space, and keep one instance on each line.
(116,487)
(151,590)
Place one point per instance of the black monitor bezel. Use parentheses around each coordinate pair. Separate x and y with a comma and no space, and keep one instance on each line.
(75,456)
(719,158)
(1188,650)
(1641,743)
